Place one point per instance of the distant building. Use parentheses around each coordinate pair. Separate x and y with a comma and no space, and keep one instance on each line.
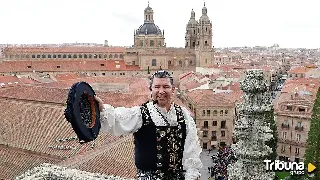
(293,112)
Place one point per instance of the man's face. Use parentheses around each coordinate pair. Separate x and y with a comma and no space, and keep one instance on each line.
(162,90)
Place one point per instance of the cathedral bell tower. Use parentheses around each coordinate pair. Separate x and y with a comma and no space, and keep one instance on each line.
(204,49)
(191,32)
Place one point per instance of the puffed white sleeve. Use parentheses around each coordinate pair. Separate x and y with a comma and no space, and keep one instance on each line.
(192,149)
(120,120)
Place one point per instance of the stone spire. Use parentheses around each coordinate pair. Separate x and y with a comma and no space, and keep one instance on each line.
(252,131)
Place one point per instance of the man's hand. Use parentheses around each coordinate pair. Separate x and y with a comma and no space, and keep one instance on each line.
(100,102)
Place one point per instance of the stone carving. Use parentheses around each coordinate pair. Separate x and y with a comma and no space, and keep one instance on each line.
(251,130)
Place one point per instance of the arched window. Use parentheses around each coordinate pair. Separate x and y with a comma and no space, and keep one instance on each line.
(49,55)
(27,56)
(59,55)
(95,56)
(116,56)
(33,56)
(206,43)
(90,56)
(154,62)
(43,56)
(69,56)
(180,63)
(74,56)
(110,55)
(85,56)
(64,56)
(105,56)
(80,55)
(38,56)
(54,56)
(100,56)
(121,56)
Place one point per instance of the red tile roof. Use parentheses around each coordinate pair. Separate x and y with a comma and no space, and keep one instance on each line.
(15,161)
(70,49)
(208,98)
(114,159)
(66,76)
(191,85)
(302,81)
(11,81)
(65,65)
(299,70)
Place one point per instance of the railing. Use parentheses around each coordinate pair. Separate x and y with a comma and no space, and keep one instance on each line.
(299,143)
(213,138)
(283,140)
(205,127)
(299,128)
(291,142)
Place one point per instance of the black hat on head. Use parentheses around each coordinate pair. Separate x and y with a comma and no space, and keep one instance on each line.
(83,112)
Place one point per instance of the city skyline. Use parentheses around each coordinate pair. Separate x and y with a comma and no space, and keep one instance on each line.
(235,23)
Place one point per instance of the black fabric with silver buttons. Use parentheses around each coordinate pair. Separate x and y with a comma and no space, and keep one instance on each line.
(159,149)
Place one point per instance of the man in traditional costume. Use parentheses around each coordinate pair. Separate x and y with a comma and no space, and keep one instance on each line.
(165,135)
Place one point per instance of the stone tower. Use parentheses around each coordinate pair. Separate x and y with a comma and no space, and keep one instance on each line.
(191,32)
(204,51)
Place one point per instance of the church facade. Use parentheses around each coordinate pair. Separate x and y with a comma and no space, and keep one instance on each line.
(150,52)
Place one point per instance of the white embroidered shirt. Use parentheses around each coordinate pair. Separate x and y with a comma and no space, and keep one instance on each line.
(121,120)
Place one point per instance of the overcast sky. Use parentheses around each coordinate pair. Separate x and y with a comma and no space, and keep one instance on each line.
(290,23)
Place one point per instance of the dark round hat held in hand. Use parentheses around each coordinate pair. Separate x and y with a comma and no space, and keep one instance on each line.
(83,112)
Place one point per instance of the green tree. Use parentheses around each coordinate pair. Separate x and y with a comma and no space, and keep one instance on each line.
(312,154)
(272,143)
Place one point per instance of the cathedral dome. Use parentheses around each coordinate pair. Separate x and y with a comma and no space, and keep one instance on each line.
(149,28)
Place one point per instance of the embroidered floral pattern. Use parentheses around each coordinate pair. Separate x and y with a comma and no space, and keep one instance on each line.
(170,145)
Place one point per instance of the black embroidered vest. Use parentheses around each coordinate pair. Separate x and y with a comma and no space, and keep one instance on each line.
(160,148)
